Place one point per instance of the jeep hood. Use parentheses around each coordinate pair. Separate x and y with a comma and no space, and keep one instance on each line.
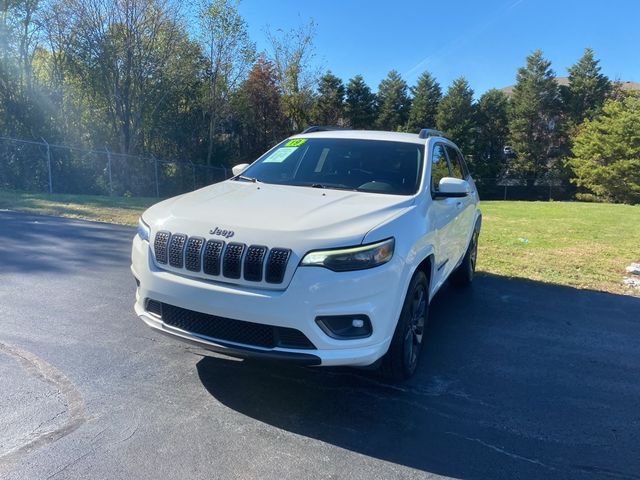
(300,218)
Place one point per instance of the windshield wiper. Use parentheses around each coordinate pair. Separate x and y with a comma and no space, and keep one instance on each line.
(332,186)
(247,179)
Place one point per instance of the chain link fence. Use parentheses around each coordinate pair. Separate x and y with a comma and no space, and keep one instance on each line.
(546,188)
(46,167)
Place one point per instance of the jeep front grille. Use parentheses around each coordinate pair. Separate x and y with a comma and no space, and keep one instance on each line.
(254,263)
(228,329)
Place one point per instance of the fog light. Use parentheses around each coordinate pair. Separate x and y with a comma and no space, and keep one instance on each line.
(345,327)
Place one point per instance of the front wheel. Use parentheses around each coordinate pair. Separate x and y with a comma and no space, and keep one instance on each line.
(401,360)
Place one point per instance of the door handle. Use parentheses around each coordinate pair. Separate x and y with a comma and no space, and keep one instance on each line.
(458,204)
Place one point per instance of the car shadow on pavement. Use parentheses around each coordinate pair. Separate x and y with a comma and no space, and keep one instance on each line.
(517,380)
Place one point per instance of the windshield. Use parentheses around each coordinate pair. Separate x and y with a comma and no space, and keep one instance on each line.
(349,164)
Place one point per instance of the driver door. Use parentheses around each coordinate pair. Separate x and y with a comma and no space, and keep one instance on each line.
(442,216)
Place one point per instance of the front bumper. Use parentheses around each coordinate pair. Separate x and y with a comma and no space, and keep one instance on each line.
(313,291)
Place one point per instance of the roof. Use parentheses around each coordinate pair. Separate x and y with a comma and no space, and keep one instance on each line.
(366,135)
(564,81)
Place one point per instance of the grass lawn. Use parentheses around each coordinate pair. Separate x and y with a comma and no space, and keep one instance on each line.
(124,211)
(582,245)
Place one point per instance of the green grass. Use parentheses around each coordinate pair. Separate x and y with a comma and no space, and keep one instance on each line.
(121,210)
(582,245)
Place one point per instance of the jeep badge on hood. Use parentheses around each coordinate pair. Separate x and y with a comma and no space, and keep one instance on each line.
(222,233)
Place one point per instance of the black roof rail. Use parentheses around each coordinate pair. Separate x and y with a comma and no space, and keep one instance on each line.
(430,132)
(322,128)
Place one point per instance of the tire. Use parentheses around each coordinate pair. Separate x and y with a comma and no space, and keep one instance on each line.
(401,360)
(463,275)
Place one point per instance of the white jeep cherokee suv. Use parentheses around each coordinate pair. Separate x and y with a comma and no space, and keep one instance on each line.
(325,251)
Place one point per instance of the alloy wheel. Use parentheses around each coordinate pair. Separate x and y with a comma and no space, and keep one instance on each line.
(415,330)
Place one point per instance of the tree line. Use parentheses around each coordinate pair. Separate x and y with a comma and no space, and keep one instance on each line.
(144,77)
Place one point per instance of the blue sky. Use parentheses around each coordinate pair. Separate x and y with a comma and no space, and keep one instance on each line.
(484,40)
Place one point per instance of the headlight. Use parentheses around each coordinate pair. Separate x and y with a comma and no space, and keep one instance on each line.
(352,258)
(143,230)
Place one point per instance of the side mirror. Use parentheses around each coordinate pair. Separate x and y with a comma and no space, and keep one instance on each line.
(452,188)
(238,169)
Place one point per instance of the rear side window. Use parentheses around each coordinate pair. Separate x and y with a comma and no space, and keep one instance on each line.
(439,167)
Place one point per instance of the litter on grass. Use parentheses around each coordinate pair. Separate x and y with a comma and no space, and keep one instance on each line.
(634,269)
(632,282)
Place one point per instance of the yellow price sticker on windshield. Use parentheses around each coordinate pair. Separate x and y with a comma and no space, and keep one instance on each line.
(296,142)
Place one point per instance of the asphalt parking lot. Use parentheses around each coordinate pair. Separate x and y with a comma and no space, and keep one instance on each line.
(518,380)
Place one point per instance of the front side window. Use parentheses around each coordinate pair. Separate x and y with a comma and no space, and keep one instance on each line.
(344,164)
(463,164)
(454,162)
(439,166)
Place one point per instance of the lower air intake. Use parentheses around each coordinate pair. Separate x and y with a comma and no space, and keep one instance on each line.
(237,331)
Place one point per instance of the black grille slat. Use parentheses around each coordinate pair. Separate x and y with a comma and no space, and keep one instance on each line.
(160,246)
(211,258)
(176,250)
(193,254)
(277,264)
(232,260)
(253,263)
(237,331)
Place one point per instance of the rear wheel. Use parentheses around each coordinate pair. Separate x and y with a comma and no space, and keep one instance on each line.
(401,360)
(463,275)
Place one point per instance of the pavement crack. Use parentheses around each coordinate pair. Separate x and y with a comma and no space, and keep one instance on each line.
(49,420)
(69,464)
(502,451)
(128,437)
(75,407)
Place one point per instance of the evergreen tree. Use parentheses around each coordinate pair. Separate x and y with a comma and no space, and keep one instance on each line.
(587,90)
(534,119)
(424,107)
(328,108)
(456,114)
(606,152)
(491,136)
(393,102)
(360,104)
